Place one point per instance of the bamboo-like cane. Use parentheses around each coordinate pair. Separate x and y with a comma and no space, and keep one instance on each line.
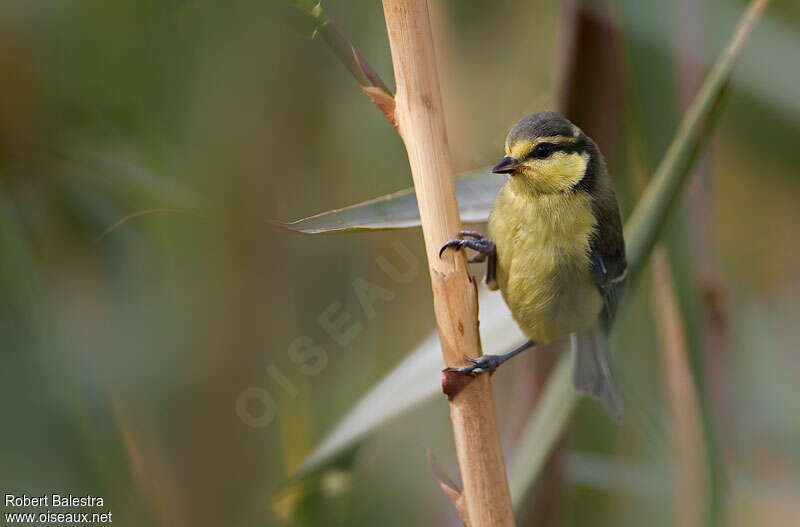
(420,120)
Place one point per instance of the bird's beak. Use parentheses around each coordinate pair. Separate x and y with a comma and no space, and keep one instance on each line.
(507,165)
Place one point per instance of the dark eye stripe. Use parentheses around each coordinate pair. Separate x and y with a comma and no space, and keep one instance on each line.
(545,150)
(542,150)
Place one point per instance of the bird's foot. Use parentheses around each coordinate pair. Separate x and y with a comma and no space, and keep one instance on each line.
(488,363)
(487,251)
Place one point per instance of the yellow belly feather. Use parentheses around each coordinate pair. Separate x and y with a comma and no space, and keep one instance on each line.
(543,267)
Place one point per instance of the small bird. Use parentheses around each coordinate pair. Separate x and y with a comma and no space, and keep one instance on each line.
(555,249)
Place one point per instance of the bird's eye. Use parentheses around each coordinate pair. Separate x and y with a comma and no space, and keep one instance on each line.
(542,150)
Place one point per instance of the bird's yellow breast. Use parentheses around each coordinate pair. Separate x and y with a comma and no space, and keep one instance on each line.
(543,266)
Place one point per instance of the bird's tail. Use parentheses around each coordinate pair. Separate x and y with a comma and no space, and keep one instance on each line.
(593,370)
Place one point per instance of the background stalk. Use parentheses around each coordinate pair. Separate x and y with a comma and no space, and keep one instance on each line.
(419,117)
(690,469)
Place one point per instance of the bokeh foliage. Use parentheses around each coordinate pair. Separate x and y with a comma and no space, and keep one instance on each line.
(123,360)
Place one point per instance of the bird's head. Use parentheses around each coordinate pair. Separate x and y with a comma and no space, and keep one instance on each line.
(545,154)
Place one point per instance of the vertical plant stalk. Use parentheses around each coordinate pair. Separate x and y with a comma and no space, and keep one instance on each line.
(706,334)
(688,446)
(419,118)
(700,207)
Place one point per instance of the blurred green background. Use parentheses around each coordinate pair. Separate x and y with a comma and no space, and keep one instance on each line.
(124,357)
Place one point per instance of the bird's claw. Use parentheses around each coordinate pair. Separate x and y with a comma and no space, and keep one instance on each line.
(456,244)
(487,251)
(483,245)
(486,363)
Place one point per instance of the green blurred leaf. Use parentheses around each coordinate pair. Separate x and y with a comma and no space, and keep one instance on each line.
(476,193)
(610,474)
(121,179)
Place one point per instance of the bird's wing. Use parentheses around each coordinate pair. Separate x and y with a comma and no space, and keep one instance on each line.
(609,266)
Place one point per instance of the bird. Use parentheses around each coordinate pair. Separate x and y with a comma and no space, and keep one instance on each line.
(555,249)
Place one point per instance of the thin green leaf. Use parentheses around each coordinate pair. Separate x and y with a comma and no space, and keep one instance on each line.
(476,193)
(412,381)
(341,47)
(649,216)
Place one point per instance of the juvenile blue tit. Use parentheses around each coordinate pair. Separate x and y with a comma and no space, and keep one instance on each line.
(555,249)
